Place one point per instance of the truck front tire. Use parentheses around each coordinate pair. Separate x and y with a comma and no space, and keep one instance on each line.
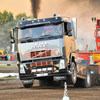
(87,82)
(42,83)
(28,85)
(71,79)
(46,82)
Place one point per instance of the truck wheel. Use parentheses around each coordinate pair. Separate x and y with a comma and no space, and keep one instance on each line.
(46,82)
(49,82)
(77,84)
(28,85)
(42,83)
(94,75)
(86,83)
(71,79)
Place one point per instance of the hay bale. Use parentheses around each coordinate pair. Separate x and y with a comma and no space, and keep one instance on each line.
(8,64)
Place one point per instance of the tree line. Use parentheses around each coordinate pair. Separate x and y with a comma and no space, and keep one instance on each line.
(8,22)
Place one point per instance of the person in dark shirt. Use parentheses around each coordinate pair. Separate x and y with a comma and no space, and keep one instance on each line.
(0,56)
(5,57)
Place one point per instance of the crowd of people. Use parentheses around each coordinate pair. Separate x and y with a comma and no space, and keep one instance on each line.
(7,57)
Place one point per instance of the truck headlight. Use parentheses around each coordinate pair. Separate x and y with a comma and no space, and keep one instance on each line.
(62,64)
(22,69)
(54,52)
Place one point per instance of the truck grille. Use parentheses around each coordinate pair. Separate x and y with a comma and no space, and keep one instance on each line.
(39,69)
(41,64)
(43,53)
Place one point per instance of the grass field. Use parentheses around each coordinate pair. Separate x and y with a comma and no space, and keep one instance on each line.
(8,78)
(7,66)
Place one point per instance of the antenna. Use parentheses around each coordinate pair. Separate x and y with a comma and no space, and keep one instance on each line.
(54,15)
(22,19)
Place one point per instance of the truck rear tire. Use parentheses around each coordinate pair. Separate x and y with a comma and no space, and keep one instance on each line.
(46,82)
(78,82)
(28,85)
(71,79)
(86,83)
(42,83)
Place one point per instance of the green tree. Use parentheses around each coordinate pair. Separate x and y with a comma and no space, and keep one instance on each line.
(20,15)
(5,17)
(5,40)
(7,22)
(31,17)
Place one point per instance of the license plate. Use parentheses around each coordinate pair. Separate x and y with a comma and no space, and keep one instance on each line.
(27,81)
(43,74)
(58,78)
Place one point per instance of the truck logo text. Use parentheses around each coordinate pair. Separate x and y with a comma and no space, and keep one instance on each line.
(40,45)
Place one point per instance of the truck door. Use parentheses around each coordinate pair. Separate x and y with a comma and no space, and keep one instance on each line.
(97,35)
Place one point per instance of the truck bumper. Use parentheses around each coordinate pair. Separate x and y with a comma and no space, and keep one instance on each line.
(44,75)
(51,70)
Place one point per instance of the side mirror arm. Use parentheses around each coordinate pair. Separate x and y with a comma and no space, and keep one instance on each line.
(68,32)
(12,40)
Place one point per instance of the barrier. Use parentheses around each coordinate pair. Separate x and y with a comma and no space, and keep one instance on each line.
(65,97)
(8,63)
(98,68)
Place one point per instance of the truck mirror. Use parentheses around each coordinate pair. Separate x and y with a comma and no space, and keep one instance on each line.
(12,41)
(74,27)
(13,47)
(69,27)
(69,34)
(11,34)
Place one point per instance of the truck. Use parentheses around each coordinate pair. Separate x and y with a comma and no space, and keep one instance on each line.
(46,51)
(93,56)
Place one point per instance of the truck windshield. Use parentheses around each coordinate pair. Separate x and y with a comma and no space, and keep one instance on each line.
(98,32)
(37,31)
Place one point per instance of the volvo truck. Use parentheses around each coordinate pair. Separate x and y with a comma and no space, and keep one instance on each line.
(46,51)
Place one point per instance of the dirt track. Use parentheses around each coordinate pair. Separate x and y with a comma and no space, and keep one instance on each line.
(8,70)
(14,90)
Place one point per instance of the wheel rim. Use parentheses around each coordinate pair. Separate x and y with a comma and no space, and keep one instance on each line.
(88,77)
(74,73)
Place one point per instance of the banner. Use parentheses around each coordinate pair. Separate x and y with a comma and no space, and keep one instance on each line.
(1,52)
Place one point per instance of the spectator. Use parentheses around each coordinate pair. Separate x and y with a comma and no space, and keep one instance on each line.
(11,57)
(1,56)
(8,57)
(5,57)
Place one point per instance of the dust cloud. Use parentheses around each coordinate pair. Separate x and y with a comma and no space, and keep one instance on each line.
(35,7)
(83,10)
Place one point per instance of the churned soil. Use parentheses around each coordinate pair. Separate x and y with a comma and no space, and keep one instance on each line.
(14,90)
(8,69)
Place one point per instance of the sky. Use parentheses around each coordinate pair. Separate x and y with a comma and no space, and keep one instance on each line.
(16,6)
(83,10)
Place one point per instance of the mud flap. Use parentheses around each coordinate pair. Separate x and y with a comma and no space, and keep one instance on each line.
(71,79)
(85,83)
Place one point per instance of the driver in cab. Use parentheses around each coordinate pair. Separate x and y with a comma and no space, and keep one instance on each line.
(30,33)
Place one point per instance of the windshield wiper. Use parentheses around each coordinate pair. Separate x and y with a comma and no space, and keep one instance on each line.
(29,39)
(47,36)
